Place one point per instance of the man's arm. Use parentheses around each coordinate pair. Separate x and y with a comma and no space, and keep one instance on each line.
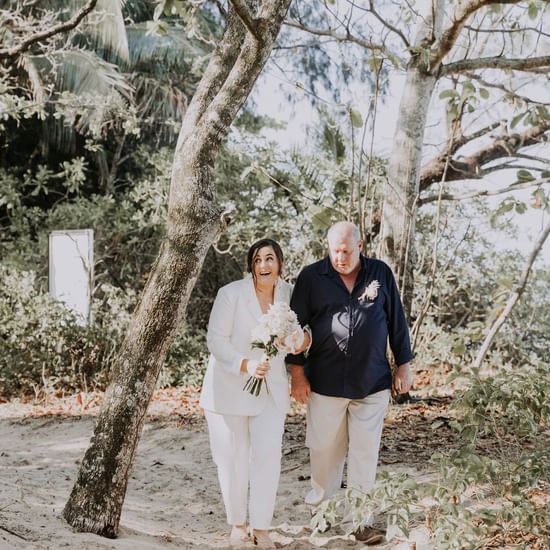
(399,338)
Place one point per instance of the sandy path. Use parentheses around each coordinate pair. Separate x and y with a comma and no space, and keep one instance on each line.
(173,498)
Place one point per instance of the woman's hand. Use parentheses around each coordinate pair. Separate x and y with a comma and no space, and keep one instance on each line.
(300,341)
(257,369)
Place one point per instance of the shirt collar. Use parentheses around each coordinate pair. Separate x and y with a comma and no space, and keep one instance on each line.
(326,267)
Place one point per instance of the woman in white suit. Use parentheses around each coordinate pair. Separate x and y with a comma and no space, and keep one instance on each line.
(246,430)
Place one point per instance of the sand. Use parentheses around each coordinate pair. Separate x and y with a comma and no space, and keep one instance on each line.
(173,498)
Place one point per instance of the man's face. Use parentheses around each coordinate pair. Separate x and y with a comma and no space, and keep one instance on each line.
(344,252)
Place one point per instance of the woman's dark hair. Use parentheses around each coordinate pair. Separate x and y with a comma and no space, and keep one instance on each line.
(253,252)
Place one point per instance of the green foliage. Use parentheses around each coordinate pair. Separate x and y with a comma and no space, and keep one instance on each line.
(394,496)
(464,98)
(466,498)
(44,346)
(472,283)
(512,401)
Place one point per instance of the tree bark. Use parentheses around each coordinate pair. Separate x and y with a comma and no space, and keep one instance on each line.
(194,223)
(402,187)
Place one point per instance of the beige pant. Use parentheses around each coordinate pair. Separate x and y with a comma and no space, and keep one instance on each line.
(337,426)
(247,452)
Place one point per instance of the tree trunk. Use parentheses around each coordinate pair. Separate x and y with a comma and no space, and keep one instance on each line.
(401,189)
(194,222)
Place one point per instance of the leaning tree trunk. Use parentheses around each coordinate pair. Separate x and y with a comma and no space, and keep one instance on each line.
(401,189)
(194,222)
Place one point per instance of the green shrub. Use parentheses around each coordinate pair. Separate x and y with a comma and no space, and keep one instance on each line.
(513,402)
(187,358)
(466,498)
(43,348)
(42,344)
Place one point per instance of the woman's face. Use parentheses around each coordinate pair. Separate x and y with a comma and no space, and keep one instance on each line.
(266,266)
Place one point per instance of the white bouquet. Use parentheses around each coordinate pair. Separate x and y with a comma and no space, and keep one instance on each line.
(277,332)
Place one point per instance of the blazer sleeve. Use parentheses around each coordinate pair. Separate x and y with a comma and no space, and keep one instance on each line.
(220,327)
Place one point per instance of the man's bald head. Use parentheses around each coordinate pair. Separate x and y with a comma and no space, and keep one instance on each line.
(344,229)
(344,246)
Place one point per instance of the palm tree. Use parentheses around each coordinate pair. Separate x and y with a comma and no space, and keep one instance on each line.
(123,61)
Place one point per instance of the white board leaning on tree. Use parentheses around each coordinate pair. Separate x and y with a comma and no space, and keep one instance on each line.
(71,267)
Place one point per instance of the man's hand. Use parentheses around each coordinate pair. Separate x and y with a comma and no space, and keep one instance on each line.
(300,389)
(402,380)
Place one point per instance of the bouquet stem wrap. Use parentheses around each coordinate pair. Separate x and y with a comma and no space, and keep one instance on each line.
(254,385)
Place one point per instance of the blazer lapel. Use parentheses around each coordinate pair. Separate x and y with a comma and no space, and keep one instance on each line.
(251,299)
(280,295)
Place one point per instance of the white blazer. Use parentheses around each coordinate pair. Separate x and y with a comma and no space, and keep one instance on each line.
(236,311)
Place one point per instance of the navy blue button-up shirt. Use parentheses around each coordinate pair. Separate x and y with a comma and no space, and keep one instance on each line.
(348,355)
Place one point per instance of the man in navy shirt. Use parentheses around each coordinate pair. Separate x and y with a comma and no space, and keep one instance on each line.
(352,306)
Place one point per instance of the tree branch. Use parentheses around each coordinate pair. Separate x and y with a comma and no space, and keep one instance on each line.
(348,37)
(470,167)
(245,16)
(508,165)
(533,158)
(515,295)
(529,64)
(485,193)
(448,37)
(507,31)
(502,88)
(463,139)
(43,35)
(388,25)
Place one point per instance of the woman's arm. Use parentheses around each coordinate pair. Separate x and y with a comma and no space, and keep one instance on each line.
(218,337)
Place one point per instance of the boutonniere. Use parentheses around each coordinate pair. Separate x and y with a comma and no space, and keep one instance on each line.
(370,292)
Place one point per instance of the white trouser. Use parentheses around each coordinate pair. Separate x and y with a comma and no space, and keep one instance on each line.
(336,426)
(247,451)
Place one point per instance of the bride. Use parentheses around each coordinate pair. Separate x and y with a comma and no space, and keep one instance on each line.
(246,430)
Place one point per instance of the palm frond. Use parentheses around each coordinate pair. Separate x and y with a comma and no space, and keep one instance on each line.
(106,30)
(103,30)
(139,10)
(159,105)
(308,171)
(36,82)
(81,71)
(172,50)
